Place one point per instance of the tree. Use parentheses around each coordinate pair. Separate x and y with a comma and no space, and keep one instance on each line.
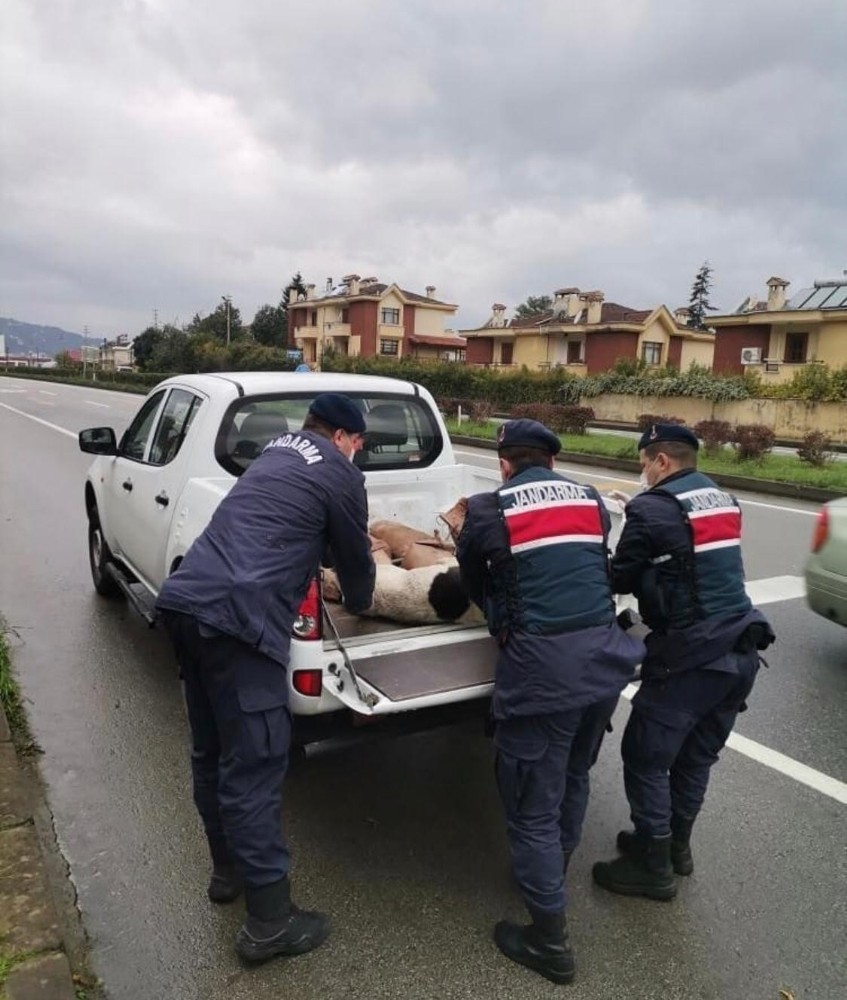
(534,304)
(64,360)
(215,324)
(270,326)
(699,304)
(144,346)
(296,287)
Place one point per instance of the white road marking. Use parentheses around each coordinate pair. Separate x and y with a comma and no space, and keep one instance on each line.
(11,391)
(46,392)
(775,588)
(91,402)
(776,761)
(38,420)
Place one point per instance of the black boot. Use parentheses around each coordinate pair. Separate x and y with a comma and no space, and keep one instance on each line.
(632,843)
(225,884)
(647,873)
(541,946)
(683,860)
(275,926)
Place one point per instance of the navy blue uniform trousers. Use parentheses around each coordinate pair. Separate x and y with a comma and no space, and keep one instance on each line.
(237,701)
(542,767)
(675,733)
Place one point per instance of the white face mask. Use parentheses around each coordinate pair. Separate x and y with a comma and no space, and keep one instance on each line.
(642,479)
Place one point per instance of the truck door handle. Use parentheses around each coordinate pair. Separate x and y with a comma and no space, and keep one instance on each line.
(127,485)
(162,499)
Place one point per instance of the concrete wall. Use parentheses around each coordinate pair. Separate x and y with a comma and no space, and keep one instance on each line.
(698,351)
(790,418)
(430,322)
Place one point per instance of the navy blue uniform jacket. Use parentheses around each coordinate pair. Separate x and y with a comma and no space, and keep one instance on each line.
(541,670)
(247,574)
(655,526)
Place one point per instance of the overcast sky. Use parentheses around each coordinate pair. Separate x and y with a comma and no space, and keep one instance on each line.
(163,153)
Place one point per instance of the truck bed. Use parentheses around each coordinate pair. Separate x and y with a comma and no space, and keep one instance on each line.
(410,668)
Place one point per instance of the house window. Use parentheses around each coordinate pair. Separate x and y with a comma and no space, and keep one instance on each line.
(389,347)
(796,345)
(574,352)
(651,352)
(506,352)
(313,318)
(390,317)
(345,315)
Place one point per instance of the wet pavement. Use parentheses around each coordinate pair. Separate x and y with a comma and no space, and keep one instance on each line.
(402,842)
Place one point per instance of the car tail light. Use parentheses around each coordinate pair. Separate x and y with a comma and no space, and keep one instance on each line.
(308,682)
(821,529)
(308,623)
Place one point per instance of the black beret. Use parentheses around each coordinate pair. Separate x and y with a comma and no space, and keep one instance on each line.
(668,432)
(338,411)
(527,434)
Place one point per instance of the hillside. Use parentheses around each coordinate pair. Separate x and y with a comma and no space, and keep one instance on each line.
(21,338)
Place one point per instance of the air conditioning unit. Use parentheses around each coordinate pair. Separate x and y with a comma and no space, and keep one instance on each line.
(751,355)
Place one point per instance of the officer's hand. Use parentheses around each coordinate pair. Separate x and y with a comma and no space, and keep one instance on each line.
(620,496)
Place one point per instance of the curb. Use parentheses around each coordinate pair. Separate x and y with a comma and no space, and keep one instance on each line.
(29,924)
(792,491)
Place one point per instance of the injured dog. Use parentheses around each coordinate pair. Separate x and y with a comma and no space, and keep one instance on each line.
(423,589)
(426,595)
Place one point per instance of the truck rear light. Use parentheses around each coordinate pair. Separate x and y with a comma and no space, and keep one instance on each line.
(308,682)
(821,529)
(308,624)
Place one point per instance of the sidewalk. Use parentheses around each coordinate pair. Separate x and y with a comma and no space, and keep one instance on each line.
(30,937)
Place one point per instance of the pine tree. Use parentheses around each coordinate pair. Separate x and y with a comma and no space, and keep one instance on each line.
(698,304)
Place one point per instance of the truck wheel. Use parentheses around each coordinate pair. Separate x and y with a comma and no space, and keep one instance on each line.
(99,557)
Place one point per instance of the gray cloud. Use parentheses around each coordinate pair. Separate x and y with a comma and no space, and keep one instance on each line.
(163,153)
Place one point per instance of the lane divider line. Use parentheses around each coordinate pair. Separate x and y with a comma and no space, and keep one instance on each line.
(38,420)
(776,761)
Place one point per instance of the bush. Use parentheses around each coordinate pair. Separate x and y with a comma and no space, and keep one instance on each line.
(561,419)
(714,434)
(450,405)
(816,449)
(481,410)
(648,419)
(752,441)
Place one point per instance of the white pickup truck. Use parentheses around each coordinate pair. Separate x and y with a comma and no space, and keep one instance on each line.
(151,494)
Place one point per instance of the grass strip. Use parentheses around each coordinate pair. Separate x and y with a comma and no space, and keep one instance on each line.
(776,468)
(11,700)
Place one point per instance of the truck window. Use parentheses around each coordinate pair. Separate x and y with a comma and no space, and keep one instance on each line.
(134,442)
(178,413)
(400,432)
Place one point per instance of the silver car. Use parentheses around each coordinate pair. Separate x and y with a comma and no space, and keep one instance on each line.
(826,568)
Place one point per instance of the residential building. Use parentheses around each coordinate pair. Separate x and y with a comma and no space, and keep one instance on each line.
(116,353)
(586,334)
(365,317)
(777,336)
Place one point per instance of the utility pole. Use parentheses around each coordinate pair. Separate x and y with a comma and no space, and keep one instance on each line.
(84,351)
(155,319)
(228,300)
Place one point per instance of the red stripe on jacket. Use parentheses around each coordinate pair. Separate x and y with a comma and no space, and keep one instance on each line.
(723,526)
(551,522)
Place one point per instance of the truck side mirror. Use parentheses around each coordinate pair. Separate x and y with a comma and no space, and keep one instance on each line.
(98,441)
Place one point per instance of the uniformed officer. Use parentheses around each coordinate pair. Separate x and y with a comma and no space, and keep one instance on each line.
(533,556)
(229,610)
(680,554)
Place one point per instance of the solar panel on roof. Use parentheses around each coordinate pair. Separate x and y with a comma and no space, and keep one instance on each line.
(818,299)
(842,300)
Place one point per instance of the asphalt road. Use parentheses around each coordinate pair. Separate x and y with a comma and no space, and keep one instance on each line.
(402,842)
